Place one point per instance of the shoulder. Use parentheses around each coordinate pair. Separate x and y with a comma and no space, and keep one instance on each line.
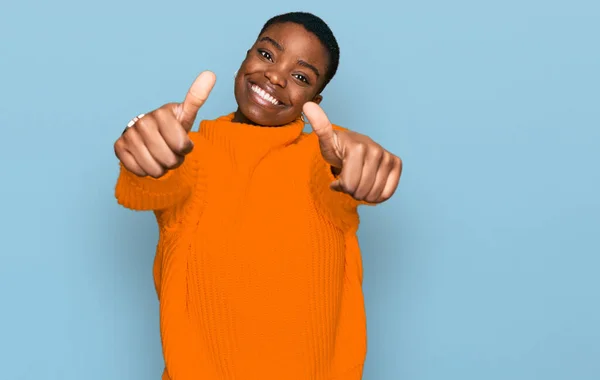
(311,136)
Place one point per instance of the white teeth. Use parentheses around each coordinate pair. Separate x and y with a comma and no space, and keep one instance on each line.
(264,95)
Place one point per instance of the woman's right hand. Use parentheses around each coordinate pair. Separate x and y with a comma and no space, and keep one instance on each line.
(159,141)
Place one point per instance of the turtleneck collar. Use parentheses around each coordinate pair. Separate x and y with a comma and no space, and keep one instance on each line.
(247,142)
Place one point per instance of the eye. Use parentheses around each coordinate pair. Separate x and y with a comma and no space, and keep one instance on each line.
(265,54)
(301,77)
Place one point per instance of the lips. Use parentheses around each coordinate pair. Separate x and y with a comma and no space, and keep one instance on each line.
(264,95)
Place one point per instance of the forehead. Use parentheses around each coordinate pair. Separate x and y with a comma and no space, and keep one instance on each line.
(295,39)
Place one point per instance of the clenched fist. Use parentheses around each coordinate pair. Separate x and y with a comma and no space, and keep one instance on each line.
(158,142)
(366,170)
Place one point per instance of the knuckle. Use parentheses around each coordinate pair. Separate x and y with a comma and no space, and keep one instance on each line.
(145,125)
(178,163)
(360,148)
(390,161)
(342,184)
(133,141)
(125,137)
(396,163)
(118,145)
(347,187)
(160,113)
(377,154)
(178,147)
(182,145)
(142,124)
(171,161)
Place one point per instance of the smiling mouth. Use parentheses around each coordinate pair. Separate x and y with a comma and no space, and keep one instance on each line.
(262,94)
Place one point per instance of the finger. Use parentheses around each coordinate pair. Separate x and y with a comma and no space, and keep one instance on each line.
(352,171)
(173,133)
(131,164)
(392,180)
(386,166)
(195,98)
(370,169)
(154,141)
(322,127)
(135,145)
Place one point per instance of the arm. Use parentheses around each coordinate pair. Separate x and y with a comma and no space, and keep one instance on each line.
(158,167)
(360,167)
(148,193)
(339,207)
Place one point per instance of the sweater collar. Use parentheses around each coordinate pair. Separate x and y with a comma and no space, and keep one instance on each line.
(244,136)
(245,143)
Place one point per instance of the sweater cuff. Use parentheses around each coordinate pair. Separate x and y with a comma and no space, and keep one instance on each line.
(147,193)
(341,208)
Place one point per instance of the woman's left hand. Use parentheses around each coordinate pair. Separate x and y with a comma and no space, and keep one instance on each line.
(365,170)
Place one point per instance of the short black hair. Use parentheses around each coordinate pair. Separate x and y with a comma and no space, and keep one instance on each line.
(320,29)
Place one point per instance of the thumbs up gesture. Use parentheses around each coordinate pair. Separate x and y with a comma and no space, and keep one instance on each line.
(365,170)
(159,141)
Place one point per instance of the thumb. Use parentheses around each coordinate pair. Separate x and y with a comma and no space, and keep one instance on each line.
(322,127)
(195,98)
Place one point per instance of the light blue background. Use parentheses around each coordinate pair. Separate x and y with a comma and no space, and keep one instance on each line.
(484,266)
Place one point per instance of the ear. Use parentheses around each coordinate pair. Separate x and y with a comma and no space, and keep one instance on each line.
(317,99)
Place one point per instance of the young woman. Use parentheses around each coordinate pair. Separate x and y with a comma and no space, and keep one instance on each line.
(258,268)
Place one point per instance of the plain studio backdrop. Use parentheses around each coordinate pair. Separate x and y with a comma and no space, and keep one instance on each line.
(485,264)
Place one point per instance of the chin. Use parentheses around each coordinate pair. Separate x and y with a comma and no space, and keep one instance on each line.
(257,112)
(257,116)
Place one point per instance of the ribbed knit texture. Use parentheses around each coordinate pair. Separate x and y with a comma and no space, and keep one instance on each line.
(258,268)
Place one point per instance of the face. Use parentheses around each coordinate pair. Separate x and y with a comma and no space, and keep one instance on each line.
(284,69)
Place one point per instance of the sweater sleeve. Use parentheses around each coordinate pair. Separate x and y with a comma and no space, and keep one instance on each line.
(341,208)
(147,193)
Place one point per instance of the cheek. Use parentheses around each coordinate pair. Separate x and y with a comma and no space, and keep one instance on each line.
(300,95)
(252,64)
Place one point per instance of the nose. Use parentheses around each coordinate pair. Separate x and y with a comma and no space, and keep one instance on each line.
(276,76)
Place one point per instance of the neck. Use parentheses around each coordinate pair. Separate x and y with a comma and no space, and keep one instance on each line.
(239,117)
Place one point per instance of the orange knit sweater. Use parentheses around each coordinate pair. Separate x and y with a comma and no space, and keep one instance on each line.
(258,269)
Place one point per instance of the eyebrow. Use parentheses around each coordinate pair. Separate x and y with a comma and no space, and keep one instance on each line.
(300,62)
(273,42)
